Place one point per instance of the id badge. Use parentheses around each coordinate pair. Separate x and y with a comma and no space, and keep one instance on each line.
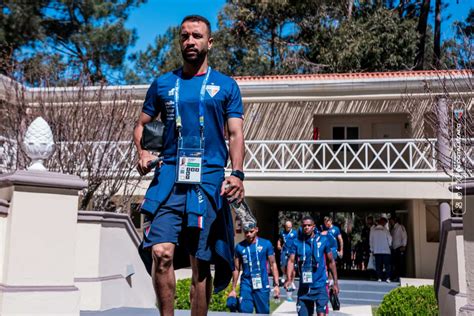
(190,155)
(256,281)
(307,277)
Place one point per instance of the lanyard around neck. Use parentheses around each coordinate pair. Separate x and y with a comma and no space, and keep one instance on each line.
(250,256)
(202,93)
(311,255)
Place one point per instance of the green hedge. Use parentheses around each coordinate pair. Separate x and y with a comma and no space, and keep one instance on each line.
(218,301)
(409,300)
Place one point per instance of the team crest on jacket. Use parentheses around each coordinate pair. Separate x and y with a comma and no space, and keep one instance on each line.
(212,90)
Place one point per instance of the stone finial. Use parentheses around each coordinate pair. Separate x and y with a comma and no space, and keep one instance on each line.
(38,143)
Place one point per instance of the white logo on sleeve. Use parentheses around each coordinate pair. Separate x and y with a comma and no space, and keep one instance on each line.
(212,90)
(171,92)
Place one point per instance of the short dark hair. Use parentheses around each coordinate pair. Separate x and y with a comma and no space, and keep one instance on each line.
(327,218)
(198,18)
(307,218)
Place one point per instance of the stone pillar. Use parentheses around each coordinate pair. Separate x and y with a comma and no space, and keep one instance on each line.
(38,223)
(468,230)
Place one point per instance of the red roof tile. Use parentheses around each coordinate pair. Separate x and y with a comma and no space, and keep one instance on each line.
(359,75)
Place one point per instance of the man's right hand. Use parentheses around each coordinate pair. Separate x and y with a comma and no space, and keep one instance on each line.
(145,158)
(287,285)
(232,294)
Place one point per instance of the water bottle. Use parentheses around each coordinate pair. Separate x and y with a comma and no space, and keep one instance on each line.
(243,212)
(276,299)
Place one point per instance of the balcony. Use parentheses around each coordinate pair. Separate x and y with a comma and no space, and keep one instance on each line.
(274,158)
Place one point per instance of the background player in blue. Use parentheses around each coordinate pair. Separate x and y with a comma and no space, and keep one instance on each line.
(251,257)
(308,251)
(197,105)
(285,240)
(336,233)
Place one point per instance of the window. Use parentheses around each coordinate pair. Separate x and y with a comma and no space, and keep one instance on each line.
(343,133)
(432,223)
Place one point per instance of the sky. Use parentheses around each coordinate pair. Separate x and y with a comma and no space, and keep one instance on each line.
(156,16)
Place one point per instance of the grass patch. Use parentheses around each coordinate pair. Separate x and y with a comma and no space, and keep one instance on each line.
(374,310)
(274,305)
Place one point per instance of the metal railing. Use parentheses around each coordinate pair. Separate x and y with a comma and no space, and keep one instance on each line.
(269,156)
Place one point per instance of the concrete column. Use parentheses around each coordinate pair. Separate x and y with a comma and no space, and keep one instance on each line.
(468,224)
(38,223)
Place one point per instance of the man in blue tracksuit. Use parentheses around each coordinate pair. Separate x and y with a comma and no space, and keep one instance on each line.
(308,251)
(285,240)
(186,206)
(251,257)
(334,231)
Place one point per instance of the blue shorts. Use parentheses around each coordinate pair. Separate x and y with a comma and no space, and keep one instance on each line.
(284,259)
(170,226)
(260,299)
(305,303)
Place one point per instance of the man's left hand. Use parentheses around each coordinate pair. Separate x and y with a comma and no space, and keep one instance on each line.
(276,292)
(233,189)
(335,287)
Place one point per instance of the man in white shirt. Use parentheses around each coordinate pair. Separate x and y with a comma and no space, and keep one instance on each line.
(399,243)
(380,243)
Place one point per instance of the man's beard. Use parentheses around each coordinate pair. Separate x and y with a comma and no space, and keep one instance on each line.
(198,58)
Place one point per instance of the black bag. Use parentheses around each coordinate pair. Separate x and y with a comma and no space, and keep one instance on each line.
(152,137)
(336,305)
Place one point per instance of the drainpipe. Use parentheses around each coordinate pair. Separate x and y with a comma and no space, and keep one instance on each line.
(443,151)
(444,214)
(467,190)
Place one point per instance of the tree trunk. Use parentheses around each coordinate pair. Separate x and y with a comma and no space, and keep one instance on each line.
(401,8)
(437,35)
(350,5)
(272,47)
(421,29)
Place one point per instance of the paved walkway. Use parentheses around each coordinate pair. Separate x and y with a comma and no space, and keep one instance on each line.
(285,309)
(289,308)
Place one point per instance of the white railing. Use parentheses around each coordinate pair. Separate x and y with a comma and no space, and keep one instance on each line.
(369,155)
(271,156)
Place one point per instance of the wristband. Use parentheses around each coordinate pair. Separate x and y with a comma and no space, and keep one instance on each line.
(239,174)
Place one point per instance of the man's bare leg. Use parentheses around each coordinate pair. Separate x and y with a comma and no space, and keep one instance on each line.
(163,277)
(201,287)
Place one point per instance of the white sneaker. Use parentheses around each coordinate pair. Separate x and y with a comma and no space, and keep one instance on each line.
(388,281)
(379,280)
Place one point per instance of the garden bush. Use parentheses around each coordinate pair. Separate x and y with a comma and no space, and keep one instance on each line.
(217,304)
(409,300)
